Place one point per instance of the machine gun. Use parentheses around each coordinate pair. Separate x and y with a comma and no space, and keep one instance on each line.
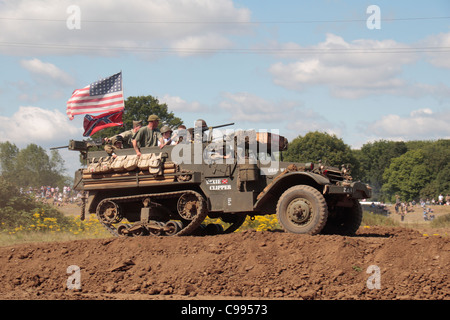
(222,125)
(82,146)
(204,128)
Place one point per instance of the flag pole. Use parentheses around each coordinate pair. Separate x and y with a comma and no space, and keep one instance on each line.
(123,97)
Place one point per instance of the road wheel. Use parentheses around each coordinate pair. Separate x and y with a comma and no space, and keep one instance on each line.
(302,209)
(344,220)
(197,212)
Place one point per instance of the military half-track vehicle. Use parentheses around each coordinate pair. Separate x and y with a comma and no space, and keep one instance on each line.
(171,191)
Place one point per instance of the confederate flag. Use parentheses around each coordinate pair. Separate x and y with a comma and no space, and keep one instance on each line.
(92,124)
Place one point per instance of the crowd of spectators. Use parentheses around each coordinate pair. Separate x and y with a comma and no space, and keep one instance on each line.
(403,208)
(54,195)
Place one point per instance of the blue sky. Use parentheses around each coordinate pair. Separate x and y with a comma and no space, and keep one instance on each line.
(294,66)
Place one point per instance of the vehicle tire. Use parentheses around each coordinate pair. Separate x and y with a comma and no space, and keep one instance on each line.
(344,220)
(302,209)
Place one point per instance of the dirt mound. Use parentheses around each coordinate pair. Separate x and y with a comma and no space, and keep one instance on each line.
(403,263)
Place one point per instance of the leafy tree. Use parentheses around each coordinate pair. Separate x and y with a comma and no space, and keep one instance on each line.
(418,144)
(8,154)
(14,206)
(437,159)
(139,108)
(316,146)
(406,176)
(10,196)
(31,166)
(374,158)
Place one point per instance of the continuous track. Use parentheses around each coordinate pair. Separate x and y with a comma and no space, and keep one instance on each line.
(154,227)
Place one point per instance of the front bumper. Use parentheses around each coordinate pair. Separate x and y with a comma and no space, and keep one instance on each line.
(355,190)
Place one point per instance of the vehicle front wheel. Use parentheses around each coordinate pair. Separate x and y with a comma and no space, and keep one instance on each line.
(344,220)
(303,210)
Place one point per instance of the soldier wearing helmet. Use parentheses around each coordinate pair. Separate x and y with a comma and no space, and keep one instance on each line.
(166,137)
(147,136)
(182,135)
(128,135)
(116,143)
(200,131)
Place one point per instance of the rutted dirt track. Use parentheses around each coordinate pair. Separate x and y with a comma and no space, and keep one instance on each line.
(247,265)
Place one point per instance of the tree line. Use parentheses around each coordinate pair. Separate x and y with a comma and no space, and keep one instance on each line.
(31,166)
(411,170)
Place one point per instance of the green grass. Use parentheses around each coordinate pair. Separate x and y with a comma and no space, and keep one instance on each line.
(43,229)
(373,219)
(441,222)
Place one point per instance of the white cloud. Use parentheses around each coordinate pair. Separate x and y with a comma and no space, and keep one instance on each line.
(309,120)
(439,59)
(422,124)
(421,112)
(350,69)
(206,44)
(245,106)
(47,82)
(177,104)
(47,71)
(291,117)
(439,91)
(36,125)
(108,27)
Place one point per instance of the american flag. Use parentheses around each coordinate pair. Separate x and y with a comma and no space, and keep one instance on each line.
(105,95)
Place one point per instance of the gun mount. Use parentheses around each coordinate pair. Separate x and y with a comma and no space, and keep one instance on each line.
(82,146)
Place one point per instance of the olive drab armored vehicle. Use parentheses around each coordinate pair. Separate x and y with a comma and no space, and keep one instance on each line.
(172,190)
